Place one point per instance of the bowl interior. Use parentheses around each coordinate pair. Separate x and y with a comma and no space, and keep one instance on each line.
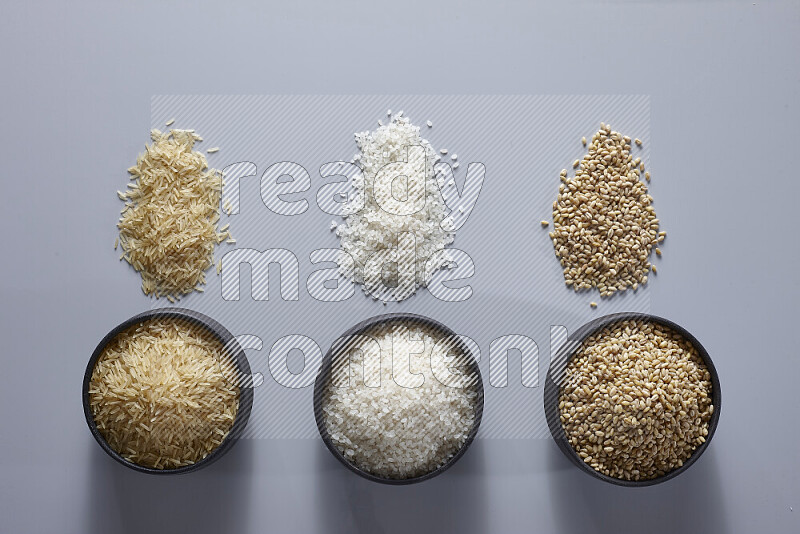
(555,376)
(232,347)
(324,375)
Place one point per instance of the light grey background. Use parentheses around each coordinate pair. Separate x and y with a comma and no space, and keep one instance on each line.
(77,81)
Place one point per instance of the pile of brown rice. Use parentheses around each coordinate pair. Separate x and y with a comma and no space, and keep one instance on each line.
(168,227)
(163,393)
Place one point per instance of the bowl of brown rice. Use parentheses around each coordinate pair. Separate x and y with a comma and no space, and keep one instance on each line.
(167,391)
(632,399)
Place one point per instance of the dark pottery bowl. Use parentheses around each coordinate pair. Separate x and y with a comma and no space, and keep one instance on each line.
(324,377)
(555,374)
(244,380)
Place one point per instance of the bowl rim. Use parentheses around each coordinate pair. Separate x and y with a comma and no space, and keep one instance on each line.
(245,390)
(567,351)
(324,375)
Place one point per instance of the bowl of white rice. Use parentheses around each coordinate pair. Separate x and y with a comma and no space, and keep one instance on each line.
(399,398)
(167,391)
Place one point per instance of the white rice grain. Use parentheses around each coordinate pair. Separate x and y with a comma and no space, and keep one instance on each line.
(368,228)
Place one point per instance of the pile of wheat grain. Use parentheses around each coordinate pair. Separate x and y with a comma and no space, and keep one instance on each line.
(604,224)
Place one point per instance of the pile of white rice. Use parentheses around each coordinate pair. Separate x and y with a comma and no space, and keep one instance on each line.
(393,431)
(163,393)
(368,228)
